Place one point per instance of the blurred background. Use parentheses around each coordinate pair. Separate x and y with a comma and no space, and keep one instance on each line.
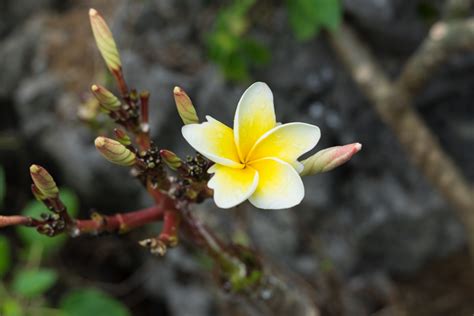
(371,238)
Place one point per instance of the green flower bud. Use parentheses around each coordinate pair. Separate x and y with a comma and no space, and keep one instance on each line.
(122,137)
(44,183)
(185,107)
(107,100)
(105,41)
(115,152)
(171,159)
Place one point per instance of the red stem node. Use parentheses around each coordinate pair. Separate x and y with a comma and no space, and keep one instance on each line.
(169,234)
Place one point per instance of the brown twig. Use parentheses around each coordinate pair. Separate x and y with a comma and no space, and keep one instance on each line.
(455,9)
(394,105)
(444,40)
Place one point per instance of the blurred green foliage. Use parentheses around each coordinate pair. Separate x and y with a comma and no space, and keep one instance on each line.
(228,46)
(25,283)
(5,256)
(308,17)
(30,283)
(86,302)
(235,52)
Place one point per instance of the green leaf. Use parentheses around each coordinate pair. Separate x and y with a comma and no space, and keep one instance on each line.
(86,302)
(34,209)
(71,201)
(308,16)
(303,18)
(228,45)
(255,51)
(235,68)
(10,307)
(3,185)
(329,13)
(5,256)
(31,283)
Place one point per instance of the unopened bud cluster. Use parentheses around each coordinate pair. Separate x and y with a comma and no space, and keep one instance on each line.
(52,225)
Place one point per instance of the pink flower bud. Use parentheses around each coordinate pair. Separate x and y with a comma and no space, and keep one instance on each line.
(329,158)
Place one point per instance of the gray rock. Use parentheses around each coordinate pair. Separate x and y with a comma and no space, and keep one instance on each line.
(16,52)
(13,13)
(36,103)
(177,278)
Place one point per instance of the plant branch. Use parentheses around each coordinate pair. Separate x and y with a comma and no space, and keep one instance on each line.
(121,222)
(395,108)
(14,220)
(455,9)
(444,40)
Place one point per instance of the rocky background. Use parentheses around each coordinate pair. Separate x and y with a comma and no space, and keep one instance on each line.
(372,237)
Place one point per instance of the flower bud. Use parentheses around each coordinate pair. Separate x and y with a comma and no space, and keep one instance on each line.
(107,100)
(122,137)
(329,158)
(105,41)
(37,193)
(44,183)
(114,151)
(185,107)
(171,159)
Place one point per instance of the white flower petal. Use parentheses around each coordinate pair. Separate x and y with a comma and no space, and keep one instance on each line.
(298,166)
(232,186)
(255,115)
(213,140)
(286,142)
(279,186)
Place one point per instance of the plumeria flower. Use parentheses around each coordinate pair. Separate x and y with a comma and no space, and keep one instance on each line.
(258,159)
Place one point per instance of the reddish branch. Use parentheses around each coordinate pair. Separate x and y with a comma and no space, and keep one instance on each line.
(122,85)
(14,220)
(169,233)
(99,223)
(119,222)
